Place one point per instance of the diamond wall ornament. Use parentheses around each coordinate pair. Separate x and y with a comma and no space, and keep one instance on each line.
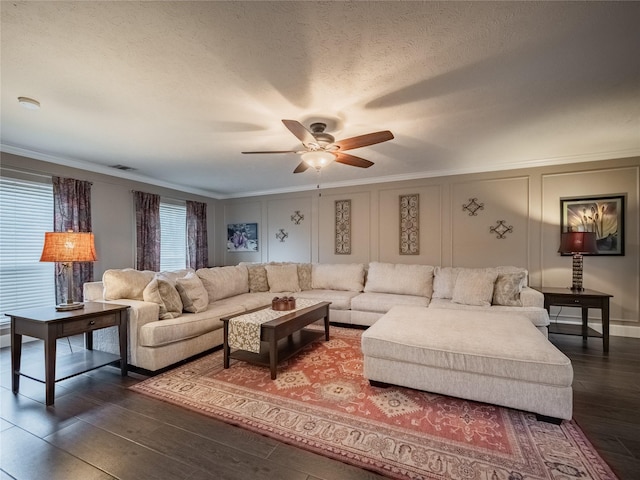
(281,235)
(343,227)
(501,229)
(473,206)
(297,217)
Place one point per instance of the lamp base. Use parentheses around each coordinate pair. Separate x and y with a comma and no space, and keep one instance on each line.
(64,307)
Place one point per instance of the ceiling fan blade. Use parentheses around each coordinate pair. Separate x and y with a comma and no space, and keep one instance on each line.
(352,160)
(275,151)
(364,140)
(301,167)
(299,130)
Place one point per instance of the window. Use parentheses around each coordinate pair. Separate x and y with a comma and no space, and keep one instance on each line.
(26,208)
(173,235)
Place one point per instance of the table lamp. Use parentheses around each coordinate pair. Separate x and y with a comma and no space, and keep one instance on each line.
(66,248)
(578,243)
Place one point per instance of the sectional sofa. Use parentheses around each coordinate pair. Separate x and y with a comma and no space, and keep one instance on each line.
(175,315)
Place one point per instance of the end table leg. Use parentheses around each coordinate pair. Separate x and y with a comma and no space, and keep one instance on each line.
(16,354)
(50,368)
(326,326)
(605,326)
(585,325)
(124,342)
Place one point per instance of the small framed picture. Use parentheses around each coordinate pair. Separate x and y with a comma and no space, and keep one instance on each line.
(242,237)
(602,215)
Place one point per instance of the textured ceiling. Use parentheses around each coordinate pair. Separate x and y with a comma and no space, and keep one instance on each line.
(177,90)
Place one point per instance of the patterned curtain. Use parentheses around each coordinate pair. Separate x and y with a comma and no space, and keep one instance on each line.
(72,211)
(147,231)
(197,246)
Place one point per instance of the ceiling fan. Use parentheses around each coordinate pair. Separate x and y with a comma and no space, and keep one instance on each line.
(321,149)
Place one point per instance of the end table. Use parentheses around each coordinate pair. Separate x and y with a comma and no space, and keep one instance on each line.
(49,324)
(584,299)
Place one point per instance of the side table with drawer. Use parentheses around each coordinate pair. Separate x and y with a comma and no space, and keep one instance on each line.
(49,324)
(584,299)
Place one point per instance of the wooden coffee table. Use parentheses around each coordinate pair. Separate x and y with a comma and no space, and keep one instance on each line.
(280,338)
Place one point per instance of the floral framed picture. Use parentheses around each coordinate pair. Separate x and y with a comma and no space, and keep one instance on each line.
(242,237)
(603,215)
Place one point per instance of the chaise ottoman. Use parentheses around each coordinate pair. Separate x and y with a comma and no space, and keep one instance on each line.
(501,359)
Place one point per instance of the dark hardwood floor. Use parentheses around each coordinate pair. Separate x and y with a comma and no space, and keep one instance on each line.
(98,429)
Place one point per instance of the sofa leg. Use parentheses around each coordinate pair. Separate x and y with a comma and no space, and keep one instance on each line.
(544,418)
(375,383)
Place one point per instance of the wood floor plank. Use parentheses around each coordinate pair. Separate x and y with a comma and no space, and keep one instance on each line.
(26,456)
(118,456)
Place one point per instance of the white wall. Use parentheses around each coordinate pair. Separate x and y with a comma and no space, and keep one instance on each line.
(527,200)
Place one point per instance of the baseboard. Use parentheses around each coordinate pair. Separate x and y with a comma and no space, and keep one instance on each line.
(631,331)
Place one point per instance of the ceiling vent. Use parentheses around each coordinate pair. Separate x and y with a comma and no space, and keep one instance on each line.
(122,167)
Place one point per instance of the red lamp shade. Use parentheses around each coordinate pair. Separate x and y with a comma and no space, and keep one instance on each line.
(578,242)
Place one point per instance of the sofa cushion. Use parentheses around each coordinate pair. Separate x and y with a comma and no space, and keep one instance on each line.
(474,286)
(189,325)
(537,315)
(245,301)
(223,282)
(340,299)
(477,342)
(283,278)
(444,280)
(173,275)
(507,288)
(338,276)
(192,293)
(125,283)
(399,278)
(160,290)
(383,302)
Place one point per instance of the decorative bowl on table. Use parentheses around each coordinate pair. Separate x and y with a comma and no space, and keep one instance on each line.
(283,304)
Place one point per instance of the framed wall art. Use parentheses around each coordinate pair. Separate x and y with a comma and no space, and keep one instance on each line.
(602,215)
(242,237)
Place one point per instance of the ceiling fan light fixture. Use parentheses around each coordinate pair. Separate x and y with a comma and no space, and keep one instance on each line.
(29,103)
(318,159)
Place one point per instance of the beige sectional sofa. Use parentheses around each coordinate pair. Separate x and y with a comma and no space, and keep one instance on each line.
(165,327)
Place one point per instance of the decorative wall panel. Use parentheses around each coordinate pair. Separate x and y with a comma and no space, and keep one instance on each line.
(343,227)
(410,224)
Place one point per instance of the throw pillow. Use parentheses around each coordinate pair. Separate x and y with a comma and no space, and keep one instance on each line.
(257,278)
(342,276)
(400,279)
(125,283)
(507,288)
(160,290)
(192,293)
(283,278)
(444,280)
(474,286)
(304,276)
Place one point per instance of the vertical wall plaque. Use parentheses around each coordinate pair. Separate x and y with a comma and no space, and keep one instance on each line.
(409,224)
(343,227)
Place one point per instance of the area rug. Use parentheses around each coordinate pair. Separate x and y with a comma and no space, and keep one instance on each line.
(321,402)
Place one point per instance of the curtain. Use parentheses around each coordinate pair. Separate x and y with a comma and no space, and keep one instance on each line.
(197,246)
(147,231)
(72,211)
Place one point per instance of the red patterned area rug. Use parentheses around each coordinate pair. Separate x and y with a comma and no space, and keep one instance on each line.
(321,402)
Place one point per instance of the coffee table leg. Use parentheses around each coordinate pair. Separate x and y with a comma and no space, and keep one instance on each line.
(273,357)
(225,344)
(326,326)
(50,367)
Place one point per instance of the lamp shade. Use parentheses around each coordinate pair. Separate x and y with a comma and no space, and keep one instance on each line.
(578,242)
(68,247)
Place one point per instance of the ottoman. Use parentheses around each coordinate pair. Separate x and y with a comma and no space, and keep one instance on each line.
(501,359)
